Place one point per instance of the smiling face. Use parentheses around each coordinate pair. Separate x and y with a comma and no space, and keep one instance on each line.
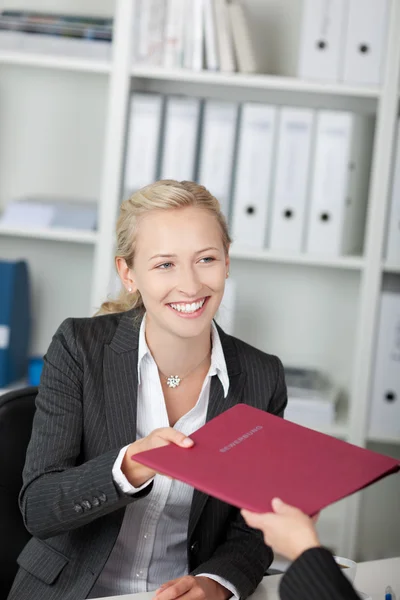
(180,268)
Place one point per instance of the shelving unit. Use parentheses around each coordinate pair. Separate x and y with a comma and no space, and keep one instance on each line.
(311,310)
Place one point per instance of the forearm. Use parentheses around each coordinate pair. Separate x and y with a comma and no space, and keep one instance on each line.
(55,501)
(315,575)
(241,560)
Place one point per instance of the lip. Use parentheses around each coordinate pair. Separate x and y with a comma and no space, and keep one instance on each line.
(193,315)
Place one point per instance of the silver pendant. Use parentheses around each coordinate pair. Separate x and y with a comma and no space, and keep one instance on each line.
(173,381)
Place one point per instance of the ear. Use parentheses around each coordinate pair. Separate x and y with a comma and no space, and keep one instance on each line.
(125,274)
(227,264)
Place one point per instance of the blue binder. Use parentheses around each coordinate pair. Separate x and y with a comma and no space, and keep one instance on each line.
(15,321)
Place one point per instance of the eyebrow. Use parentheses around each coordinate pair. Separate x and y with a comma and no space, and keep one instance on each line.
(174,255)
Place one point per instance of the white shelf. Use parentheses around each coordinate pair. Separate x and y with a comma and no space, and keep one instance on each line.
(344,262)
(391,268)
(54,61)
(263,82)
(57,235)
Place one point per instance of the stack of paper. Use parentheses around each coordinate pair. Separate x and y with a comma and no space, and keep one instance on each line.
(49,212)
(312,398)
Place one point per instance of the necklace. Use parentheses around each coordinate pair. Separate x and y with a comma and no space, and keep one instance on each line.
(174,380)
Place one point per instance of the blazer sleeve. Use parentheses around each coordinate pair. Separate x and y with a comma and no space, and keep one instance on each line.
(241,559)
(316,576)
(57,484)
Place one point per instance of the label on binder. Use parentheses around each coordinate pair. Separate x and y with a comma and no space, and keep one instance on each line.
(4,336)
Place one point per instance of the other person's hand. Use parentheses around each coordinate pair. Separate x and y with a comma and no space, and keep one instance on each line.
(288,530)
(138,474)
(192,588)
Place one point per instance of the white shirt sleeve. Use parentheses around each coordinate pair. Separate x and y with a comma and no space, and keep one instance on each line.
(222,582)
(121,480)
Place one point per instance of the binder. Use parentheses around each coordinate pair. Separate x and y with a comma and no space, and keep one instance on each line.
(234,458)
(253,174)
(224,37)
(323,24)
(246,58)
(340,178)
(384,417)
(210,36)
(197,34)
(150,35)
(142,158)
(217,150)
(364,53)
(179,146)
(290,194)
(15,321)
(393,237)
(174,34)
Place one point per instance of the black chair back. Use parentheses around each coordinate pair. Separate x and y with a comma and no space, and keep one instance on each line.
(16,415)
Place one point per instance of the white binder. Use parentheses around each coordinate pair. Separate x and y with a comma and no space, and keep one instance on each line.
(210,36)
(217,150)
(224,37)
(385,401)
(253,172)
(340,179)
(143,140)
(393,238)
(321,43)
(174,34)
(364,54)
(289,198)
(179,146)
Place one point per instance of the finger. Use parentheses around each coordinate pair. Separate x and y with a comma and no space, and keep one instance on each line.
(256,520)
(281,508)
(178,588)
(166,585)
(175,437)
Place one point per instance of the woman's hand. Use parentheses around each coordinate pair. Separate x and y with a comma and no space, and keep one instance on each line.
(192,588)
(288,530)
(138,474)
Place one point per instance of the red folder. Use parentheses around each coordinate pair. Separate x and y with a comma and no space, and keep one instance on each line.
(246,457)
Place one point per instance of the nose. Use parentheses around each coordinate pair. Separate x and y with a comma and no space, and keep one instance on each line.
(189,283)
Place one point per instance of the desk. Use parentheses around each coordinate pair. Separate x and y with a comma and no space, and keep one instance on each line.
(372,577)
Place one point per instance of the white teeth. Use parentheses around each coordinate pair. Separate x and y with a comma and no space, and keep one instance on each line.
(188,308)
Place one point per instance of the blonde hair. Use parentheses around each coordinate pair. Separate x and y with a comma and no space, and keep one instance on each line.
(166,194)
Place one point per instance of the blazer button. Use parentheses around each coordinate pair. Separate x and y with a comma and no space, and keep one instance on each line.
(86,504)
(78,508)
(194,548)
(95,501)
(102,497)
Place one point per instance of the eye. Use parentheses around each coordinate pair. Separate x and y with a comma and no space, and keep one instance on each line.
(207,259)
(164,266)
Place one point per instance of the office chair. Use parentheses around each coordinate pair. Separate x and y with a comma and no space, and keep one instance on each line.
(16,415)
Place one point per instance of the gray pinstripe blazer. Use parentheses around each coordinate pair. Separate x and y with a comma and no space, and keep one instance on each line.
(86,411)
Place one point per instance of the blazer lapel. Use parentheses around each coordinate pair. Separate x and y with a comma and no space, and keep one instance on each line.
(218,404)
(121,380)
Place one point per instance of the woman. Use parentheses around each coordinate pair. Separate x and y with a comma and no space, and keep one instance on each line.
(313,572)
(149,371)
